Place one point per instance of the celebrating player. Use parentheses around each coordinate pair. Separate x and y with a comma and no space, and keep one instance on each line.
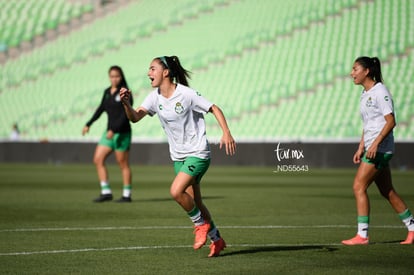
(375,148)
(181,112)
(117,136)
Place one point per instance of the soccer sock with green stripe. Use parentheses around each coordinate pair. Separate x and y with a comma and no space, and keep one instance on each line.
(214,234)
(105,188)
(363,223)
(407,218)
(126,191)
(195,216)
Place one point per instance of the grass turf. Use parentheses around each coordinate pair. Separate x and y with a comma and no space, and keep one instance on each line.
(133,238)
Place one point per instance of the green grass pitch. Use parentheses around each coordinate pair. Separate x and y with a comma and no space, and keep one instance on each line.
(272,222)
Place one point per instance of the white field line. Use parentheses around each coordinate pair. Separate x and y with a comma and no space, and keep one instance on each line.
(23,253)
(168,227)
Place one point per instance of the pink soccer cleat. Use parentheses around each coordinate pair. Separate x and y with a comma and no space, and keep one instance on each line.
(357,240)
(200,232)
(410,238)
(216,247)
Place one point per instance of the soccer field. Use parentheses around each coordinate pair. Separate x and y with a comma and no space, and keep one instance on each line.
(272,223)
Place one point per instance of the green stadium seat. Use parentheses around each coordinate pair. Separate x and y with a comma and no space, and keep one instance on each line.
(23,20)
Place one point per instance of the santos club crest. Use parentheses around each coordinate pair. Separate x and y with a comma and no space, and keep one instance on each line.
(179,109)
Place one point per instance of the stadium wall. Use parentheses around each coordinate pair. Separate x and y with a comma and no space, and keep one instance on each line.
(282,156)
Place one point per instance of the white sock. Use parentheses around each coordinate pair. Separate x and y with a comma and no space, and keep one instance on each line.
(363,229)
(105,188)
(409,223)
(126,191)
(214,234)
(195,216)
(407,218)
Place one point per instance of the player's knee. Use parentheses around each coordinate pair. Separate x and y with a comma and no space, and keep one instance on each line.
(98,161)
(358,187)
(175,193)
(122,163)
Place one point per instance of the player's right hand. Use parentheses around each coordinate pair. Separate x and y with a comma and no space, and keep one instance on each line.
(109,134)
(357,156)
(125,95)
(85,130)
(228,142)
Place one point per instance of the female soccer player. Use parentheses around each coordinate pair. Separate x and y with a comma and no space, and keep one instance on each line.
(375,148)
(117,136)
(181,112)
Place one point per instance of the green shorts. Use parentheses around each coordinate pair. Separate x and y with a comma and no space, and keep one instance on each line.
(193,166)
(380,161)
(119,142)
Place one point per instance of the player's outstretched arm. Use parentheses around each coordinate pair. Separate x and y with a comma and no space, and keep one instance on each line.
(133,115)
(227,140)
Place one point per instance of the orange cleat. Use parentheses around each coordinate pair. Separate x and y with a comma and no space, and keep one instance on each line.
(200,232)
(410,238)
(216,247)
(357,240)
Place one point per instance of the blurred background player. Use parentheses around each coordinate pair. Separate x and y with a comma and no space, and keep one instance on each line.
(117,136)
(15,133)
(181,112)
(375,148)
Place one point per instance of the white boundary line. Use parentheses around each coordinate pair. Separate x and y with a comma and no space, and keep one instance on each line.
(23,253)
(167,227)
(92,249)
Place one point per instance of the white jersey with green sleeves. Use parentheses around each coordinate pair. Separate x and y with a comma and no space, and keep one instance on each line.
(374,105)
(182,117)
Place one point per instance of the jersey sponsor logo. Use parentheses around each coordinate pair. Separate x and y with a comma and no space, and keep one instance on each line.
(386,98)
(160,107)
(179,109)
(118,98)
(369,102)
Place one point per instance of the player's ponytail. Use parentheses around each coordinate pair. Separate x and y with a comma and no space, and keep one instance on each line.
(176,71)
(376,69)
(373,64)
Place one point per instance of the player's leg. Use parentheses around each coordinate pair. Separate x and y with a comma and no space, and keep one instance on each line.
(217,242)
(178,191)
(385,186)
(122,145)
(195,192)
(122,157)
(364,177)
(101,153)
(189,172)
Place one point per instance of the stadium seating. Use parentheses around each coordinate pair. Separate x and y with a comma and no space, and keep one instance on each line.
(279,69)
(22,20)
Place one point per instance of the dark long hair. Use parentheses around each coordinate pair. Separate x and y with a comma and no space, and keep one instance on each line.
(123,83)
(176,71)
(373,65)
